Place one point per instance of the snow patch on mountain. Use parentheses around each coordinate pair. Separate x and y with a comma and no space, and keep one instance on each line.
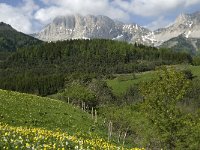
(187,34)
(89,27)
(119,37)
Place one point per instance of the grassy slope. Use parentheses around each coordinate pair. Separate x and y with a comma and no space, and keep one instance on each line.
(29,110)
(119,87)
(195,70)
(38,113)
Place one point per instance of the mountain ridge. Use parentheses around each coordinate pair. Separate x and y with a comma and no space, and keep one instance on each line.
(90,26)
(11,39)
(86,27)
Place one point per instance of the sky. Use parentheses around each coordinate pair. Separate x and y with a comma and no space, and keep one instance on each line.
(30,16)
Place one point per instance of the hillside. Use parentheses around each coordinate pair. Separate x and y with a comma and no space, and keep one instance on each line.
(26,138)
(42,69)
(29,115)
(181,43)
(10,39)
(28,110)
(121,83)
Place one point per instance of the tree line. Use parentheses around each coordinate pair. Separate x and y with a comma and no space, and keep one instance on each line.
(50,63)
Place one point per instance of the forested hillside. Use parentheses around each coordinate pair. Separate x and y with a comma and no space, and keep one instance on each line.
(181,43)
(42,68)
(10,39)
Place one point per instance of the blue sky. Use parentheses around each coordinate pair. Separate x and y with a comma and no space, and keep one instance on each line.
(31,15)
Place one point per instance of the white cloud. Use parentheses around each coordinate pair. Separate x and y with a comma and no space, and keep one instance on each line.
(191,2)
(154,8)
(19,17)
(41,15)
(159,23)
(29,17)
(83,7)
(116,9)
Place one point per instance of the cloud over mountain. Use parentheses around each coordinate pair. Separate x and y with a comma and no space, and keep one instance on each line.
(20,17)
(64,7)
(30,15)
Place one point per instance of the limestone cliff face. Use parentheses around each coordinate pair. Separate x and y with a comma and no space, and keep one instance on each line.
(185,24)
(88,27)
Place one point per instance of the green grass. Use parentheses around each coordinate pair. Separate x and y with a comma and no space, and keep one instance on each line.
(120,86)
(122,82)
(195,70)
(25,116)
(28,110)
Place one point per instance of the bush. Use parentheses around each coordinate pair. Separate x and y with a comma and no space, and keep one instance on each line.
(79,93)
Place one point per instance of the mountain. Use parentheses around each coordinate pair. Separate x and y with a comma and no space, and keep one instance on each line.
(187,25)
(10,39)
(185,30)
(89,27)
(182,43)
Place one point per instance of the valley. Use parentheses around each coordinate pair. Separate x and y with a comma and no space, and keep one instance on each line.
(92,82)
(122,82)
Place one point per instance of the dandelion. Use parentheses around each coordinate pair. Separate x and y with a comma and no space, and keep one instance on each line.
(37,138)
(27,145)
(76,147)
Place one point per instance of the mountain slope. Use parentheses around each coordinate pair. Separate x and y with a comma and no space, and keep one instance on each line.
(90,27)
(187,25)
(181,43)
(29,110)
(10,39)
(41,123)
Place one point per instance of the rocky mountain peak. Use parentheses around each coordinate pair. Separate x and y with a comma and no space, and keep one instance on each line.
(182,18)
(90,26)
(187,25)
(193,18)
(64,21)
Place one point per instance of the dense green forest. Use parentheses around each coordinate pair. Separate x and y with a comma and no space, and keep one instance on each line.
(43,68)
(11,40)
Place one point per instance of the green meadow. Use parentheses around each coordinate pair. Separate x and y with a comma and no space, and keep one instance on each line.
(122,82)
